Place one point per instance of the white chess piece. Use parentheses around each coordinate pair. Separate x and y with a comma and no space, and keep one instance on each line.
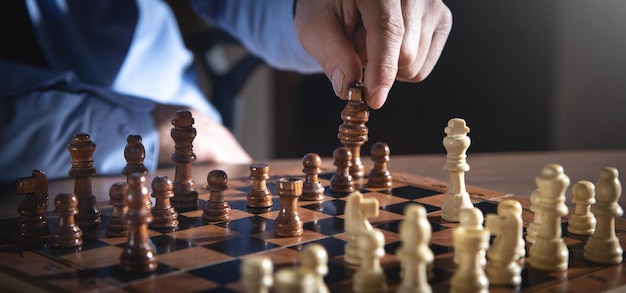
(508,245)
(470,242)
(456,144)
(414,253)
(370,276)
(295,280)
(533,229)
(315,258)
(603,246)
(582,221)
(256,274)
(357,210)
(549,253)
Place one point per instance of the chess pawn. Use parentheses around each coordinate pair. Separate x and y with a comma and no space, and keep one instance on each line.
(256,274)
(183,133)
(379,176)
(312,188)
(137,256)
(135,153)
(470,242)
(549,253)
(357,210)
(81,150)
(115,226)
(288,222)
(370,276)
(508,245)
(456,144)
(582,221)
(533,228)
(33,208)
(216,209)
(414,253)
(341,181)
(259,196)
(353,132)
(603,246)
(67,233)
(164,216)
(315,258)
(295,280)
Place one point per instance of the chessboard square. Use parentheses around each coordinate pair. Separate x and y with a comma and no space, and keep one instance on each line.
(385,217)
(413,192)
(88,244)
(174,283)
(442,238)
(33,264)
(165,244)
(533,278)
(193,257)
(116,273)
(190,220)
(487,207)
(334,247)
(328,226)
(333,207)
(205,234)
(281,258)
(306,236)
(96,258)
(384,199)
(241,246)
(399,208)
(222,273)
(249,225)
(306,215)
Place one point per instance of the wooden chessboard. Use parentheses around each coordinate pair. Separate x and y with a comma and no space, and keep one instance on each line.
(206,256)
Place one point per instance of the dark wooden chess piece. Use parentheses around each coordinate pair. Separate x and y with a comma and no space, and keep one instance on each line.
(117,198)
(379,176)
(216,209)
(288,222)
(135,153)
(164,215)
(81,150)
(353,132)
(341,182)
(33,208)
(312,188)
(185,196)
(138,255)
(259,196)
(67,233)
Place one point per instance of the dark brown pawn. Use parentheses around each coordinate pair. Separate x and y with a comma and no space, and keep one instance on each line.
(117,198)
(185,196)
(135,153)
(137,256)
(164,215)
(33,208)
(216,209)
(259,196)
(288,222)
(312,188)
(67,233)
(379,176)
(81,149)
(353,132)
(341,182)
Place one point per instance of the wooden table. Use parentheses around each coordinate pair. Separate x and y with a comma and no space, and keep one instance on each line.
(507,172)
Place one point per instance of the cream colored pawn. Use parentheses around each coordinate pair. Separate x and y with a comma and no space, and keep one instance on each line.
(314,257)
(414,254)
(470,242)
(582,221)
(370,277)
(256,274)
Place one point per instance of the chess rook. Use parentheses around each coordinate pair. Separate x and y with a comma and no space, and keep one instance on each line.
(67,233)
(312,188)
(379,176)
(414,253)
(135,153)
(470,242)
(582,222)
(185,196)
(81,150)
(503,268)
(288,222)
(357,210)
(33,208)
(341,181)
(603,246)
(353,132)
(164,215)
(549,252)
(456,144)
(259,196)
(216,209)
(117,199)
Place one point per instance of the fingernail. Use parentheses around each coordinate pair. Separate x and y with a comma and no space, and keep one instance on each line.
(337,80)
(379,97)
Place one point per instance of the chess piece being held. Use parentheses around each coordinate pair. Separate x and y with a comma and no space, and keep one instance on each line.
(353,132)
(456,144)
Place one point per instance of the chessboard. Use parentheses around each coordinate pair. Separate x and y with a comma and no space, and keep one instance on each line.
(206,256)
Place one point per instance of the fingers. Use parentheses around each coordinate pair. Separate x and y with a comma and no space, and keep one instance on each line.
(325,31)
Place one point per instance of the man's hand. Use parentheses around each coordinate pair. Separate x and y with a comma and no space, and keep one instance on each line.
(391,39)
